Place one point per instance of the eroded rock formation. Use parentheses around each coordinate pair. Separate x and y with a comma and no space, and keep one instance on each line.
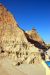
(14,42)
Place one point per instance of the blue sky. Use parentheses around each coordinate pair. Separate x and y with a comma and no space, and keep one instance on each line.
(31,13)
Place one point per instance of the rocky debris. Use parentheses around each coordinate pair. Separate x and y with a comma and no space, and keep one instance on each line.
(14,42)
(47,55)
(48,52)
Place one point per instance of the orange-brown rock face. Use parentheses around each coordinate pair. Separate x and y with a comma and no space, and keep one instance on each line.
(7,21)
(34,35)
(6,17)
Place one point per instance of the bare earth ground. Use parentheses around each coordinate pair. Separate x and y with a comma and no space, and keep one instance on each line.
(6,68)
(33,69)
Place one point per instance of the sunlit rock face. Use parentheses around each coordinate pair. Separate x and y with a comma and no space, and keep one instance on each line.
(13,41)
(10,33)
(35,39)
(34,35)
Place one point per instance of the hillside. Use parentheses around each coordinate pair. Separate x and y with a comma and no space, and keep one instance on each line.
(14,42)
(18,47)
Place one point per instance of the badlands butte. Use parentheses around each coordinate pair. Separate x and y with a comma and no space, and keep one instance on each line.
(21,52)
